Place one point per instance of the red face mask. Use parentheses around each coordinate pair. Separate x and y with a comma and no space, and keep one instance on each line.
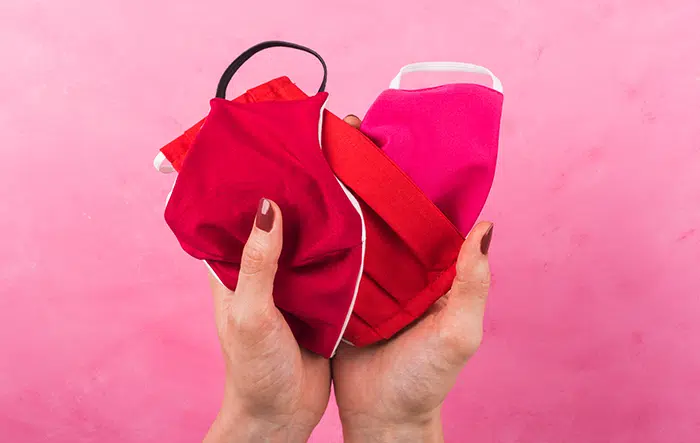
(411,245)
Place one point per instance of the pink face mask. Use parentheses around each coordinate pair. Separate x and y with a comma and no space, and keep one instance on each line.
(445,138)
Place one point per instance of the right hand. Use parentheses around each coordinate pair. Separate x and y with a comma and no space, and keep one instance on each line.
(393,391)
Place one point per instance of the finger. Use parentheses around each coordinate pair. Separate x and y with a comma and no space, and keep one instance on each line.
(353,121)
(462,319)
(260,255)
(471,284)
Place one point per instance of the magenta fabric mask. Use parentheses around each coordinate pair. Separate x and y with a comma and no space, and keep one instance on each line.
(445,138)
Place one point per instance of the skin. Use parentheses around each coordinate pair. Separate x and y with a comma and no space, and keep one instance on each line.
(390,392)
(275,391)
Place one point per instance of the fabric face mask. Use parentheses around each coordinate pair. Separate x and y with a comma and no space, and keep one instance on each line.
(411,247)
(445,138)
(245,151)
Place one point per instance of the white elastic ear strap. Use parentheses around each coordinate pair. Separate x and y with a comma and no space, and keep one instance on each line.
(162,164)
(446,66)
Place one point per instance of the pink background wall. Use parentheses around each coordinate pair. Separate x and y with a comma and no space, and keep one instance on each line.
(593,330)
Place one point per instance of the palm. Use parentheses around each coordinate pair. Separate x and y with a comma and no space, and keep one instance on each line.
(299,381)
(281,379)
(407,376)
(411,374)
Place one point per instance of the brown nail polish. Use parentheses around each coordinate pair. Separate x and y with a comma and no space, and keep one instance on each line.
(265,217)
(486,241)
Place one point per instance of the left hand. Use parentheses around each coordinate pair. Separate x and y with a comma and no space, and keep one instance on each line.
(275,391)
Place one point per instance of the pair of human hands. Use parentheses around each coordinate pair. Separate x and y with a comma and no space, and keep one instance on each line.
(388,392)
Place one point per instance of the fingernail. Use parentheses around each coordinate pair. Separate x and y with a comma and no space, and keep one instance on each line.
(353,121)
(486,241)
(266,216)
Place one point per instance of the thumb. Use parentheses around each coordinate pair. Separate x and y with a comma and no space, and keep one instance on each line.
(260,255)
(473,278)
(353,121)
(463,319)
(471,284)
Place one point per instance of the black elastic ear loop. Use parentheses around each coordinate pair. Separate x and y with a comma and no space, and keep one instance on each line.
(238,62)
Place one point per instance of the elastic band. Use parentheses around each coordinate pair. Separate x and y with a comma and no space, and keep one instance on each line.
(238,62)
(162,164)
(446,66)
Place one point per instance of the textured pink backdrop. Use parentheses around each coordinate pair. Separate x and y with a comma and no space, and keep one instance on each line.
(593,329)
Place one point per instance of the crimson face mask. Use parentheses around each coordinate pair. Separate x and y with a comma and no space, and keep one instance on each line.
(411,245)
(245,151)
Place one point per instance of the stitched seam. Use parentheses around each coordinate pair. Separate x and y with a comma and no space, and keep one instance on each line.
(366,323)
(429,286)
(398,302)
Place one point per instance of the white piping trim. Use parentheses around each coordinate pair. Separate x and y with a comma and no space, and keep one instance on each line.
(206,263)
(167,198)
(355,205)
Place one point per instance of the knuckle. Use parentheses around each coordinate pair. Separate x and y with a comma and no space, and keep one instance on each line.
(481,272)
(254,258)
(476,288)
(477,281)
(484,282)
(459,346)
(473,342)
(249,324)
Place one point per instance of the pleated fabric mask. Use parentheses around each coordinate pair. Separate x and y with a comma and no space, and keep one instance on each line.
(424,195)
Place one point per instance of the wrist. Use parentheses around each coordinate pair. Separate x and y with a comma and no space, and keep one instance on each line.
(427,429)
(237,426)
